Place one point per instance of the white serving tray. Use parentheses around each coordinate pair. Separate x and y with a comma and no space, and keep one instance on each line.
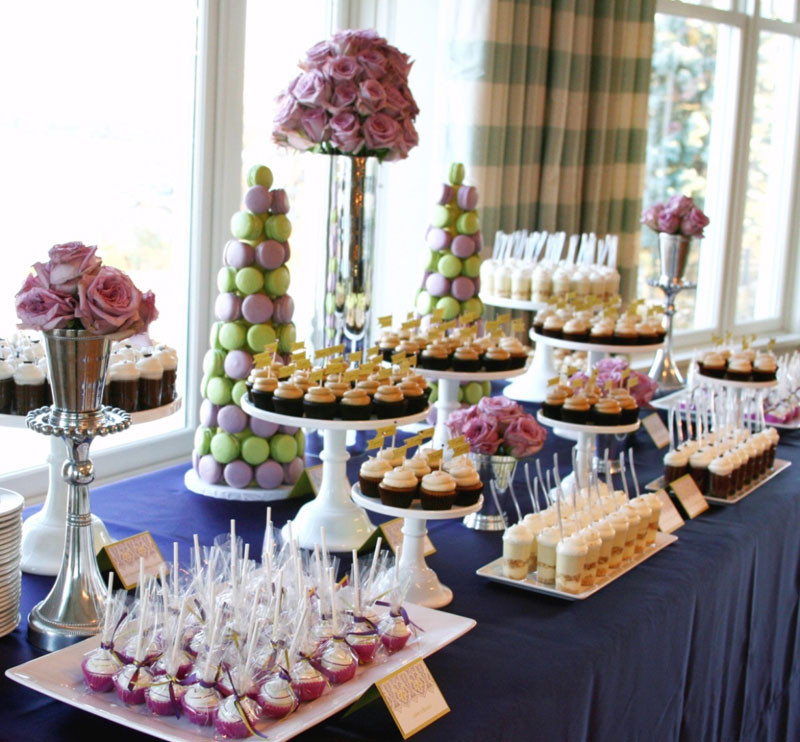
(59,676)
(583,428)
(595,347)
(494,571)
(525,305)
(778,467)
(195,484)
(464,376)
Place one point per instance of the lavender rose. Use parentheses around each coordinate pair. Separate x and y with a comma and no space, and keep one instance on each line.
(650,216)
(371,97)
(381,131)
(109,304)
(668,222)
(481,434)
(680,205)
(317,55)
(373,62)
(524,437)
(42,308)
(395,104)
(67,265)
(147,309)
(343,68)
(346,132)
(344,95)
(503,409)
(315,123)
(311,88)
(289,111)
(693,224)
(459,418)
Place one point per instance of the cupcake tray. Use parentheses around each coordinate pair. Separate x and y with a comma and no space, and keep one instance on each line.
(415,511)
(778,467)
(525,305)
(59,676)
(595,347)
(494,571)
(465,376)
(589,429)
(731,384)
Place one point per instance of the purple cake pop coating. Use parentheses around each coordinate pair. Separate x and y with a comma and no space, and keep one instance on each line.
(438,239)
(270,254)
(238,364)
(208,414)
(280,201)
(239,254)
(269,475)
(462,289)
(262,428)
(463,246)
(467,198)
(283,310)
(257,308)
(227,307)
(238,474)
(209,469)
(232,419)
(293,470)
(257,199)
(437,285)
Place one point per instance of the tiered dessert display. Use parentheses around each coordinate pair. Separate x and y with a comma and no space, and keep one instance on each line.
(239,647)
(417,491)
(349,399)
(575,546)
(235,456)
(676,222)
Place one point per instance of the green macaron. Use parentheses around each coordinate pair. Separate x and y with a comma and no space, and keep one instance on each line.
(249,280)
(232,335)
(449,265)
(255,450)
(259,336)
(472,306)
(487,388)
(449,306)
(278,227)
(300,437)
(468,223)
(444,216)
(433,260)
(238,391)
(226,279)
(424,303)
(276,282)
(246,226)
(283,448)
(218,390)
(260,175)
(224,448)
(287,335)
(202,440)
(456,173)
(214,362)
(434,395)
(473,392)
(471,266)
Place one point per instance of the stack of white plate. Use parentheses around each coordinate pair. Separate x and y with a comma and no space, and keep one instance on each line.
(10,555)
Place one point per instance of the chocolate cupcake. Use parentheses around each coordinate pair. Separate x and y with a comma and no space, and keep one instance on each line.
(387,344)
(466,359)
(338,387)
(577,330)
(468,485)
(739,369)
(123,386)
(437,491)
(370,386)
(29,382)
(713,365)
(607,411)
(415,399)
(262,391)
(496,359)
(398,488)
(151,378)
(516,350)
(435,357)
(576,409)
(288,399)
(370,475)
(355,404)
(554,403)
(553,326)
(389,402)
(629,408)
(602,331)
(765,367)
(319,402)
(625,331)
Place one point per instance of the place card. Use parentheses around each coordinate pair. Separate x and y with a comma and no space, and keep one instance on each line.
(669,519)
(656,429)
(689,495)
(123,558)
(393,535)
(412,697)
(308,482)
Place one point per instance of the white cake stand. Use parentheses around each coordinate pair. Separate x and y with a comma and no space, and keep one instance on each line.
(43,532)
(347,526)
(447,399)
(524,305)
(587,440)
(194,483)
(425,588)
(533,386)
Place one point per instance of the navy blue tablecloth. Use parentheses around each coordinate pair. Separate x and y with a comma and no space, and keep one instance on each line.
(702,642)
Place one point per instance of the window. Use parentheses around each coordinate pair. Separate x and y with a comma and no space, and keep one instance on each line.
(723,129)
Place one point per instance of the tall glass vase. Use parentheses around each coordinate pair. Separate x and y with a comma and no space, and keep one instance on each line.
(500,470)
(350,250)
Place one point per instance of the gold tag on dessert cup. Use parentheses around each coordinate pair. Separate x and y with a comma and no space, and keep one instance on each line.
(122,557)
(669,519)
(689,496)
(392,531)
(412,697)
(656,429)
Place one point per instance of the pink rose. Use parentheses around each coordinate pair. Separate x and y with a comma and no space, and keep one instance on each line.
(346,132)
(524,437)
(405,91)
(680,205)
(373,62)
(317,55)
(650,216)
(109,304)
(643,391)
(668,222)
(315,124)
(396,104)
(344,96)
(343,68)
(381,131)
(481,434)
(503,409)
(42,308)
(459,418)
(289,111)
(67,264)
(693,224)
(311,88)
(371,97)
(147,310)
(611,364)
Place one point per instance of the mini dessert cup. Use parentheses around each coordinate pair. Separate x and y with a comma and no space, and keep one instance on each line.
(517,544)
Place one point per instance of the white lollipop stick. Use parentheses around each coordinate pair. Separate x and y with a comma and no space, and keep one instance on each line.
(357,584)
(374,565)
(514,500)
(558,503)
(276,611)
(609,478)
(542,480)
(532,491)
(197,564)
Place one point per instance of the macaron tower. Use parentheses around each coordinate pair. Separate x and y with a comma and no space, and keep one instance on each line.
(451,281)
(252,310)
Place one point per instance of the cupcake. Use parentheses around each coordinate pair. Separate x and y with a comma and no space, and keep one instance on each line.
(255,373)
(263,389)
(764,367)
(370,475)
(496,359)
(6,387)
(389,402)
(300,379)
(370,386)
(602,331)
(630,410)
(437,491)
(355,404)
(625,331)
(418,466)
(398,488)
(516,350)
(576,409)
(435,357)
(338,387)
(29,382)
(394,456)
(739,369)
(676,464)
(468,485)
(416,401)
(319,402)
(607,411)
(123,386)
(538,320)
(647,332)
(466,359)
(554,403)
(553,326)
(387,344)
(151,378)
(288,399)
(576,330)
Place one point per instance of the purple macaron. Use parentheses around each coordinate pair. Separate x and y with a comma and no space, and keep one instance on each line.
(478,240)
(232,419)
(262,428)
(462,289)
(210,470)
(293,470)
(477,282)
(257,308)
(438,239)
(287,252)
(239,254)
(238,474)
(446,195)
(437,285)
(462,246)
(208,414)
(258,199)
(227,307)
(283,310)
(270,254)
(288,429)
(467,198)
(269,475)
(280,201)
(238,364)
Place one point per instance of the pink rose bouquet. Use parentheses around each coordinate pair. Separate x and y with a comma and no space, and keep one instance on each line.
(498,425)
(679,215)
(351,98)
(74,290)
(610,370)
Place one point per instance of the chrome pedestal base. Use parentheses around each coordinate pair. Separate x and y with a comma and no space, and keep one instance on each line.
(664,371)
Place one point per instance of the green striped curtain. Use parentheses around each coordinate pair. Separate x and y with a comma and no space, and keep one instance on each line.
(557,91)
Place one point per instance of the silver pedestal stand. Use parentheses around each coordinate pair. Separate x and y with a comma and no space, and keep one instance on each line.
(664,371)
(74,608)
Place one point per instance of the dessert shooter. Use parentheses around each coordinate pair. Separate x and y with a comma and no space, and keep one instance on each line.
(151,377)
(517,544)
(29,381)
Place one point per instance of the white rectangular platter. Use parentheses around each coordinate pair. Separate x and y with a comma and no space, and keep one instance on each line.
(59,676)
(494,571)
(779,466)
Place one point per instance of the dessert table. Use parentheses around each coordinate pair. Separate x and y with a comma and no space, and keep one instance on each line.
(702,641)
